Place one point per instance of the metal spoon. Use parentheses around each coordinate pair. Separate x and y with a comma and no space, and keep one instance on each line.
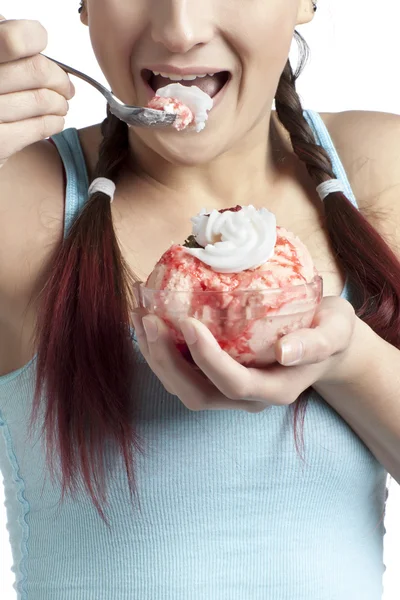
(133,115)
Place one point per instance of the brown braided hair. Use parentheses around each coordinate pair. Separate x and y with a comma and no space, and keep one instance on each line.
(85,353)
(366,259)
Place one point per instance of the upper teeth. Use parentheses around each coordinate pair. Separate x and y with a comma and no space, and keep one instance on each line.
(175,77)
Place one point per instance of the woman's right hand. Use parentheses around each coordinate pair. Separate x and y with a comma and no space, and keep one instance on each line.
(33,89)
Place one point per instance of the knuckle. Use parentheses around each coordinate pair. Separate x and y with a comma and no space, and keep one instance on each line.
(290,398)
(49,101)
(239,391)
(42,31)
(196,402)
(256,407)
(40,68)
(324,349)
(279,395)
(41,97)
(12,44)
(169,389)
(49,124)
(20,38)
(345,306)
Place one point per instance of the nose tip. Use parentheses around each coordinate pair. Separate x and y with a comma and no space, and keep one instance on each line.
(177,44)
(181,26)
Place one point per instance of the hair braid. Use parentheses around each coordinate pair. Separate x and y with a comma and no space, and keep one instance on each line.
(290,113)
(364,255)
(85,352)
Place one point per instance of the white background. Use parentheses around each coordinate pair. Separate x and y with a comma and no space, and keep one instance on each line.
(354,66)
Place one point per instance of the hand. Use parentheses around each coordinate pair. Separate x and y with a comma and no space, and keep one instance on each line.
(33,90)
(303,357)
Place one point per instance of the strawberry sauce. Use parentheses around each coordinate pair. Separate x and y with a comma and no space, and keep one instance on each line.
(234,316)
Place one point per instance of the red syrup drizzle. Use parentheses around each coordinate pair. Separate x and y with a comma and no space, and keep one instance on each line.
(179,108)
(205,279)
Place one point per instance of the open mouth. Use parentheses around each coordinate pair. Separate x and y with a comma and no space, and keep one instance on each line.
(211,83)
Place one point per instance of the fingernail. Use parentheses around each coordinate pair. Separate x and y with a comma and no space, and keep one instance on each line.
(292,352)
(189,332)
(73,90)
(150,328)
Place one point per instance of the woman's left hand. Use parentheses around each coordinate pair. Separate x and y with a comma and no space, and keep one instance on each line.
(304,357)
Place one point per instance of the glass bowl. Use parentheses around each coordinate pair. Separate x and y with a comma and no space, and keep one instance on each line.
(246,323)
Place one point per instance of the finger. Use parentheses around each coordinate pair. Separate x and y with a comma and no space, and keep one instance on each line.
(235,381)
(192,388)
(140,335)
(331,334)
(272,386)
(20,38)
(141,338)
(34,73)
(30,104)
(168,364)
(16,136)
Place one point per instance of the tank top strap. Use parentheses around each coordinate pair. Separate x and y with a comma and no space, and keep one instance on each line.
(324,139)
(75,173)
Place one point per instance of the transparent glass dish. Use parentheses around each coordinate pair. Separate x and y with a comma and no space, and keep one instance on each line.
(246,323)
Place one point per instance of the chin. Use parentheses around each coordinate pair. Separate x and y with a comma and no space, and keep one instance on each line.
(186,149)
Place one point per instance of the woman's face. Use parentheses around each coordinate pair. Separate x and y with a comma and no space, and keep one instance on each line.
(243,43)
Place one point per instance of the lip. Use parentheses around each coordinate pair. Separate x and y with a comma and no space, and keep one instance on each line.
(198,71)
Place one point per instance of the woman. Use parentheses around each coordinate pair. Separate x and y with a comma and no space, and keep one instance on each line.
(174,484)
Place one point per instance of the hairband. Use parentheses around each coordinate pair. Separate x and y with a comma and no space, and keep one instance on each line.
(330,186)
(102,184)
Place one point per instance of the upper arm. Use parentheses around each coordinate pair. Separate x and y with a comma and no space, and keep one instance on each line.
(368,144)
(31,222)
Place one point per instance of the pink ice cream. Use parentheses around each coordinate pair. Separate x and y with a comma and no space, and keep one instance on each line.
(184,116)
(189,103)
(247,311)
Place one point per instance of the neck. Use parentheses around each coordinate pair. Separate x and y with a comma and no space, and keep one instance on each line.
(255,169)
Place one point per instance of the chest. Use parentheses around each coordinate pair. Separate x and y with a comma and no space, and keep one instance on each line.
(145,238)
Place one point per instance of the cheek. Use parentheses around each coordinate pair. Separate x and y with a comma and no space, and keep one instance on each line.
(115,33)
(261,32)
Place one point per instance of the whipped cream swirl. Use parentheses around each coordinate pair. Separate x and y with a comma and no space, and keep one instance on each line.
(191,96)
(234,241)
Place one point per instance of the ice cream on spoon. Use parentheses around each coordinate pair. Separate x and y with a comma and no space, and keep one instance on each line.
(190,104)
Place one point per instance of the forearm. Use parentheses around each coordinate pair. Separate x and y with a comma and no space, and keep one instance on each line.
(365,391)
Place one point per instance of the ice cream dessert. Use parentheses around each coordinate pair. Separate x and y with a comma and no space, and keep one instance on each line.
(190,104)
(247,279)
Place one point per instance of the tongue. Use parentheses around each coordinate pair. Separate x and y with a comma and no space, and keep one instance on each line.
(209,85)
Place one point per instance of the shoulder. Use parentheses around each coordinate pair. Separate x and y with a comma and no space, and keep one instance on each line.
(32,206)
(90,139)
(368,144)
(31,224)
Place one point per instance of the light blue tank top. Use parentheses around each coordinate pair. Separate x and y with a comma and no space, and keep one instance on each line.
(228,511)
